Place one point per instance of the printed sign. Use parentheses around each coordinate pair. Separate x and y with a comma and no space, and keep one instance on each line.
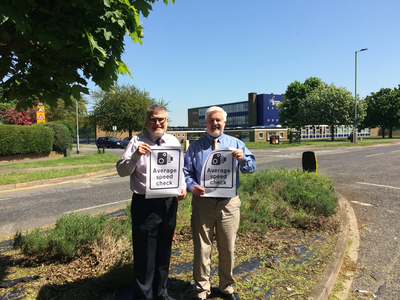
(40,114)
(164,172)
(218,176)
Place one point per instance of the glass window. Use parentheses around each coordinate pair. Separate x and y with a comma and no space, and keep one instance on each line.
(261,135)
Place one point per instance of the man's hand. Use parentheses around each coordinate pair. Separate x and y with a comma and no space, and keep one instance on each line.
(198,190)
(238,154)
(143,148)
(182,195)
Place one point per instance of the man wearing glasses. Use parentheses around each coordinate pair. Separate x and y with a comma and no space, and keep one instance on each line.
(214,214)
(153,220)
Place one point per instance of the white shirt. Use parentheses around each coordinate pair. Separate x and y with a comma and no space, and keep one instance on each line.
(133,164)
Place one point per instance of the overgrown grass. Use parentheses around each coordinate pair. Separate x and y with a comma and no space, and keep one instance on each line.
(284,198)
(73,234)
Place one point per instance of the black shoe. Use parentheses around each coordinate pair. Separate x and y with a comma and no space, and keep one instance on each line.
(232,296)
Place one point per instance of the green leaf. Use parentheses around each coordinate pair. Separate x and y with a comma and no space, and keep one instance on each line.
(76,91)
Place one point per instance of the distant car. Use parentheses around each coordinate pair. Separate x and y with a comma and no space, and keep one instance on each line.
(125,142)
(108,142)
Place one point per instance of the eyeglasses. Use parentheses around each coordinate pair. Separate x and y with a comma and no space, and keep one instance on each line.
(160,120)
(214,120)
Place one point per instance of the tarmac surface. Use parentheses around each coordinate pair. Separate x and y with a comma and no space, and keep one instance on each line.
(348,240)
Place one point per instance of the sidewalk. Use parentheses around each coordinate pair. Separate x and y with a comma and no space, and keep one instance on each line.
(322,289)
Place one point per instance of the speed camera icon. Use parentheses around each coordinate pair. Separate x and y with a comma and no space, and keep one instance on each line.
(217,159)
(163,158)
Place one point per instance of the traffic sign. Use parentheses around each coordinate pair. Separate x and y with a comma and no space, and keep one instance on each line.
(40,114)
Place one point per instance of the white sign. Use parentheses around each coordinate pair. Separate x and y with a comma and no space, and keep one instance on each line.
(218,176)
(164,172)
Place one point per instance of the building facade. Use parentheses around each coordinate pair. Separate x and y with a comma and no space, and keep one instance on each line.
(254,120)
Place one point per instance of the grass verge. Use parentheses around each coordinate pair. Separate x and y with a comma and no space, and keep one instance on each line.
(91,258)
(84,164)
(18,177)
(87,159)
(338,142)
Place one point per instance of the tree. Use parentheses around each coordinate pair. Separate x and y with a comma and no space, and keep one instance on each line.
(383,110)
(48,50)
(329,105)
(68,113)
(124,106)
(295,93)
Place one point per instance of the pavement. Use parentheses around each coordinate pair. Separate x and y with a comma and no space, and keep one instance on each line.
(348,240)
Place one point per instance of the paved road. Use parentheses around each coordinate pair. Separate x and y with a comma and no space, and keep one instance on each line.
(367,177)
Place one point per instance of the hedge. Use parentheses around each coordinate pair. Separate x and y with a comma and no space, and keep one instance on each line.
(18,139)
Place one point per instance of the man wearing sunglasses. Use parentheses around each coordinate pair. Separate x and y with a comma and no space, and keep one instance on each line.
(153,220)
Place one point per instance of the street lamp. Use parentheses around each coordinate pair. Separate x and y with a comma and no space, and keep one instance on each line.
(77,128)
(355,100)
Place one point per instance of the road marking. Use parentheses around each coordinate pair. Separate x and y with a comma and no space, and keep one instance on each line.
(380,185)
(374,154)
(361,203)
(395,151)
(87,208)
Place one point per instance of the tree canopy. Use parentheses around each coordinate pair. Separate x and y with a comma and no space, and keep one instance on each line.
(68,113)
(329,105)
(49,49)
(383,110)
(124,106)
(295,93)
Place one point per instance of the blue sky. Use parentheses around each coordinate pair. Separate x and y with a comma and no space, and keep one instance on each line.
(205,52)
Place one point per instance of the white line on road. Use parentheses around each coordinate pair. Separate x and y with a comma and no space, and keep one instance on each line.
(362,203)
(87,208)
(380,185)
(374,154)
(395,151)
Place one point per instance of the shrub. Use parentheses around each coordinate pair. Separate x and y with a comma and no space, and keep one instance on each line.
(70,125)
(15,139)
(34,243)
(62,137)
(284,198)
(74,232)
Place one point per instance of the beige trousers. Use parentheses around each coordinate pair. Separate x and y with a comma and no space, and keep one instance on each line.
(223,215)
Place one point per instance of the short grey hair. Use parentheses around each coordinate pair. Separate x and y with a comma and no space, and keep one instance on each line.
(155,109)
(216,109)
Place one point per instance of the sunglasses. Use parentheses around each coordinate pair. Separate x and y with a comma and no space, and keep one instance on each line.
(160,120)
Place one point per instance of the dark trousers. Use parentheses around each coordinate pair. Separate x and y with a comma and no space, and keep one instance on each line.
(153,225)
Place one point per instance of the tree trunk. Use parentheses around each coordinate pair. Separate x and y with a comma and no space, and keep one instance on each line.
(383,132)
(390,131)
(332,133)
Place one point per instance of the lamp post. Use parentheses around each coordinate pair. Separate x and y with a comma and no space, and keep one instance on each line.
(355,99)
(77,128)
